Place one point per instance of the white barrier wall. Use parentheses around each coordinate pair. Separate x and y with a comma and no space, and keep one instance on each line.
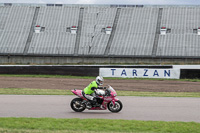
(186,66)
(140,73)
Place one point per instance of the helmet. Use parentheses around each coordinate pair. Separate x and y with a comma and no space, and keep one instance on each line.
(99,80)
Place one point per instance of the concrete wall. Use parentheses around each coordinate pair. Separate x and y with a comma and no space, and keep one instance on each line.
(86,70)
(94,60)
(74,70)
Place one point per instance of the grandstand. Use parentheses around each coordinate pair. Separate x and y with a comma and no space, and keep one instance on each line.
(59,33)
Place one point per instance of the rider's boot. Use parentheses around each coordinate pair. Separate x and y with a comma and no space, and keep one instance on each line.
(94,102)
(88,105)
(102,107)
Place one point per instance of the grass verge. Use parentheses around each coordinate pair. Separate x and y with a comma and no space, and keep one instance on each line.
(25,91)
(47,76)
(94,125)
(90,77)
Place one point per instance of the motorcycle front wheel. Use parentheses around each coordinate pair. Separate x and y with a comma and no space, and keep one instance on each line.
(115,108)
(76,105)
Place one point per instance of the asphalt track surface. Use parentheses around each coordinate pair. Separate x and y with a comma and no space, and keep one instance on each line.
(134,108)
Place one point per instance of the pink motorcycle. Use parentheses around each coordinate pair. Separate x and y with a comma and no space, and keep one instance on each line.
(106,100)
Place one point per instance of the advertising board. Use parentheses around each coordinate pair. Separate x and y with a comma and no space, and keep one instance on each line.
(140,73)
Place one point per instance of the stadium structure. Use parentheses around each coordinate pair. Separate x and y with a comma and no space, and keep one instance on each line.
(99,34)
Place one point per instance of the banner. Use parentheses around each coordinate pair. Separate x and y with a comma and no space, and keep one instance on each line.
(140,73)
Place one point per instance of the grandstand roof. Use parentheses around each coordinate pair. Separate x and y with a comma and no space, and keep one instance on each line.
(102,5)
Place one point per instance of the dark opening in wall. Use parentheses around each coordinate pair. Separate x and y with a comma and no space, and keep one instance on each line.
(58,5)
(7,4)
(130,6)
(190,74)
(50,4)
(139,5)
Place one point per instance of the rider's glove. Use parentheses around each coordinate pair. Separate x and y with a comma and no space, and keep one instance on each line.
(107,93)
(101,88)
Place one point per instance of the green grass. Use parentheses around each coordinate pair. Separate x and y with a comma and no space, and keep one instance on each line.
(26,91)
(94,125)
(91,77)
(48,76)
(159,94)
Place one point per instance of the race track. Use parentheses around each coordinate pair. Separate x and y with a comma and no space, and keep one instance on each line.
(134,108)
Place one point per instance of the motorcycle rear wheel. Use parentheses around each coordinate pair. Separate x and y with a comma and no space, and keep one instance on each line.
(115,108)
(76,105)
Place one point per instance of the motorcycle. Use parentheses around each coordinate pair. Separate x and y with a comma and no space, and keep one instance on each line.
(107,100)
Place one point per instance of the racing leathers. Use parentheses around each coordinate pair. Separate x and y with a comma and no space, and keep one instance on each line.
(90,92)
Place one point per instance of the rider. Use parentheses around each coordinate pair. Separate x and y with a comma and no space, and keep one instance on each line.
(91,90)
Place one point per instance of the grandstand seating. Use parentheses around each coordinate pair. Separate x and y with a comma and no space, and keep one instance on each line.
(93,40)
(15,27)
(182,41)
(55,39)
(135,31)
